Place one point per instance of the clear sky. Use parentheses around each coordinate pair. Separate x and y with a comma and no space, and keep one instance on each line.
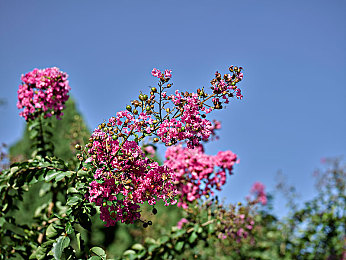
(293,52)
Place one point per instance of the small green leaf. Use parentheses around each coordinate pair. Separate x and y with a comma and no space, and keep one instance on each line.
(78,241)
(69,228)
(179,245)
(138,247)
(51,174)
(59,247)
(51,232)
(39,253)
(193,237)
(129,252)
(98,251)
(150,240)
(73,200)
(151,248)
(163,239)
(72,190)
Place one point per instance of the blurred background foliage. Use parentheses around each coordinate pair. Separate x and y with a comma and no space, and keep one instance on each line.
(315,230)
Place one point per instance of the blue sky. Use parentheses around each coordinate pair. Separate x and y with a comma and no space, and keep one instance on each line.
(293,52)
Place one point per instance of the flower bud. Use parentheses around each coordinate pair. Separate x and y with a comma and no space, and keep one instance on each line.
(135,112)
(153,89)
(128,107)
(154,211)
(78,147)
(156,139)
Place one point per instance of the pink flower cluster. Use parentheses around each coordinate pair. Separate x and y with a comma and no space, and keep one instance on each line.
(198,173)
(157,73)
(190,125)
(43,91)
(223,86)
(258,190)
(123,177)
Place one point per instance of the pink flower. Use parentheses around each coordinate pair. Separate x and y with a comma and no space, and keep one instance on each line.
(258,190)
(197,173)
(156,73)
(43,92)
(168,73)
(182,222)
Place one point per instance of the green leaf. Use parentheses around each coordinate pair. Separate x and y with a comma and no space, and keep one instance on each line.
(33,134)
(32,125)
(60,176)
(69,228)
(210,229)
(150,240)
(39,253)
(163,239)
(179,245)
(59,247)
(99,252)
(51,174)
(74,200)
(138,247)
(78,241)
(193,237)
(94,257)
(151,248)
(129,252)
(72,190)
(51,232)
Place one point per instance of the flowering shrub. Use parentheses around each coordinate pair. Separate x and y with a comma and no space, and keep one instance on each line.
(198,173)
(43,91)
(123,178)
(115,173)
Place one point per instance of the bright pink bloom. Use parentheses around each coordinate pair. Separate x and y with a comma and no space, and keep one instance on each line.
(124,178)
(198,173)
(156,73)
(43,92)
(168,73)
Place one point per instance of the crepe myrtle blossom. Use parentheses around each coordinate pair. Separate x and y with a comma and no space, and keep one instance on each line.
(197,173)
(123,178)
(258,190)
(43,91)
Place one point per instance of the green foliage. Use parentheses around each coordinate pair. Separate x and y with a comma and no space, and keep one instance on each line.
(64,134)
